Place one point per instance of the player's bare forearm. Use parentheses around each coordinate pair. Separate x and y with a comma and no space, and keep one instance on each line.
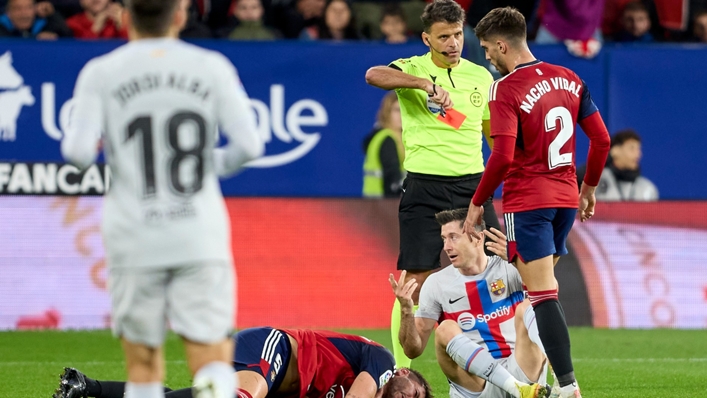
(363,387)
(389,78)
(409,337)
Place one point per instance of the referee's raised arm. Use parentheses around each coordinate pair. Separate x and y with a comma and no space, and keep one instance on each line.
(391,78)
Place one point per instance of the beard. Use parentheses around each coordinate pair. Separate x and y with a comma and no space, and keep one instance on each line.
(501,67)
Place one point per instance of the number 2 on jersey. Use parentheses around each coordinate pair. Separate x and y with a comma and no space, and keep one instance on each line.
(143,126)
(555,158)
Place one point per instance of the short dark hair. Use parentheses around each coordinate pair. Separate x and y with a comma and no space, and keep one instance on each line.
(448,11)
(393,10)
(459,215)
(635,6)
(9,2)
(424,382)
(699,13)
(624,135)
(506,22)
(152,17)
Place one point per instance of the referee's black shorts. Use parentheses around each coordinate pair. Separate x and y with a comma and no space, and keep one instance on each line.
(424,195)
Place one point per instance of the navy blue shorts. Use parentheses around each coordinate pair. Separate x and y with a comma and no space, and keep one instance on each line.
(265,351)
(535,234)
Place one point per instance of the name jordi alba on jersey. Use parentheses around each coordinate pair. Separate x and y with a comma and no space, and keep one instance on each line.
(160,103)
(482,305)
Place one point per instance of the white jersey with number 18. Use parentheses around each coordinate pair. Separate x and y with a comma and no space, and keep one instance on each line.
(158,103)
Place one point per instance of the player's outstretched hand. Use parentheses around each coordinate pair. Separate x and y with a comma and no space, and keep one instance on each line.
(473,218)
(440,96)
(587,201)
(403,290)
(496,243)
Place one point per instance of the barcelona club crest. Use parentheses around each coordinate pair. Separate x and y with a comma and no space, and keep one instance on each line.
(498,288)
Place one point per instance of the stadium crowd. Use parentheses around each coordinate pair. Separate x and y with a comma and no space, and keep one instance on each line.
(582,24)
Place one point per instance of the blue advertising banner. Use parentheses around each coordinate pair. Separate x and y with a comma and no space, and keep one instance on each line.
(314,109)
(312,102)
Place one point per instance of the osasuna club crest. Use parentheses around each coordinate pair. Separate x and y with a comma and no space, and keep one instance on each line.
(497,288)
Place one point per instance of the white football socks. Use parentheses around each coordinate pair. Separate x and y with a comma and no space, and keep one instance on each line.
(216,377)
(477,360)
(570,391)
(144,390)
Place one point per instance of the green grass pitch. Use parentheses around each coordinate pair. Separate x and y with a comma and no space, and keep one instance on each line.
(609,363)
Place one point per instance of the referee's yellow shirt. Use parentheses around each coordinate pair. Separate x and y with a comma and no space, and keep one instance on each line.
(431,145)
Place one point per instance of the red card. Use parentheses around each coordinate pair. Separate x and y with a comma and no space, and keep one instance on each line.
(453,118)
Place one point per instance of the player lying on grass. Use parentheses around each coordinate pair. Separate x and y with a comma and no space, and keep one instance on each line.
(487,328)
(291,363)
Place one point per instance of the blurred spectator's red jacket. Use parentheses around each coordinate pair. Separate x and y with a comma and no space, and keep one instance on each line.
(81,26)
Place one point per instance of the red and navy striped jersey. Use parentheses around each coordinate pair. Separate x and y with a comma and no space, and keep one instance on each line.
(329,362)
(539,104)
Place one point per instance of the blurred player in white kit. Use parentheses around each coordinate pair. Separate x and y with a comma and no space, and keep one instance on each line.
(155,104)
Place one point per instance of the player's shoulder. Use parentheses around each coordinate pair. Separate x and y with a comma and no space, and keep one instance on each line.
(560,70)
(443,276)
(496,263)
(205,56)
(412,61)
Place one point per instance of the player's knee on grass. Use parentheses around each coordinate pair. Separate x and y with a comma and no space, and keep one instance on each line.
(446,332)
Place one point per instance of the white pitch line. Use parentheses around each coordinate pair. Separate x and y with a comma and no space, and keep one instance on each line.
(649,360)
(603,360)
(620,360)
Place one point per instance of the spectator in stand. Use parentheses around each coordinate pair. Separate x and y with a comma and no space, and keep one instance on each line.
(699,26)
(635,23)
(611,21)
(194,28)
(249,14)
(101,19)
(383,171)
(338,23)
(214,14)
(574,22)
(393,24)
(621,179)
(292,18)
(67,8)
(23,19)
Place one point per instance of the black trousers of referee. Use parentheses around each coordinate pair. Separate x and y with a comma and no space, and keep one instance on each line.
(424,195)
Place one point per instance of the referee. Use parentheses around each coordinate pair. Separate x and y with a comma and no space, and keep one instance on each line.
(444,107)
